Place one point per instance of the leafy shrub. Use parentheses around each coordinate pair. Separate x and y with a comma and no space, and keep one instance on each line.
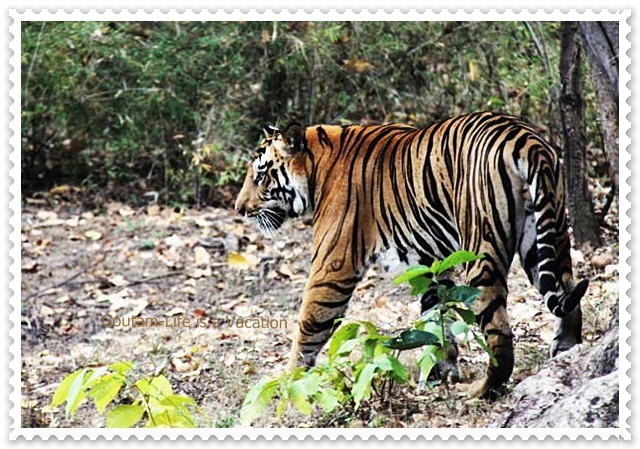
(452,314)
(362,363)
(153,401)
(335,383)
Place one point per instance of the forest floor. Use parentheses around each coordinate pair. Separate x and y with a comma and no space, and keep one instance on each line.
(78,268)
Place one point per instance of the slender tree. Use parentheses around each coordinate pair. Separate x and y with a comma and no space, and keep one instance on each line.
(601,45)
(581,215)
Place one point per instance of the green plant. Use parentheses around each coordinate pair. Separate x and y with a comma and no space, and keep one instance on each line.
(149,400)
(339,381)
(361,362)
(451,315)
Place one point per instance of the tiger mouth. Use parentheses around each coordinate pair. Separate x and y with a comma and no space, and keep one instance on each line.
(268,220)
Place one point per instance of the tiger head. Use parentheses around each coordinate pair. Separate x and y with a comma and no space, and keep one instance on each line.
(276,185)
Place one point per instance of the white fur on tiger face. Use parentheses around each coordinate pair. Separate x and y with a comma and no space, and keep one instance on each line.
(272,191)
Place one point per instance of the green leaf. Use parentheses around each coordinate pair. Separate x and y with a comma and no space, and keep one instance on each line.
(371,328)
(383,362)
(297,373)
(433,327)
(106,390)
(95,376)
(443,292)
(328,399)
(370,346)
(411,273)
(156,388)
(459,328)
(400,372)
(302,404)
(344,333)
(170,417)
(281,407)
(467,315)
(162,385)
(427,361)
(456,258)
(465,294)
(412,338)
(430,316)
(182,418)
(76,393)
(362,386)
(121,367)
(430,356)
(419,285)
(62,392)
(300,390)
(347,347)
(124,416)
(176,400)
(257,400)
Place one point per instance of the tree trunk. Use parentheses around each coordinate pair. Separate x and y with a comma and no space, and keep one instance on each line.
(581,215)
(600,41)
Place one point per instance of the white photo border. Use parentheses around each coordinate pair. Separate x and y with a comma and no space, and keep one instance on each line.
(624,18)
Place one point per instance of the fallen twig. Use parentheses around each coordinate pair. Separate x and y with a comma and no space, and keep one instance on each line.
(99,259)
(149,279)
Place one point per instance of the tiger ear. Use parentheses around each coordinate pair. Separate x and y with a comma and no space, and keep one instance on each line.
(269,131)
(294,136)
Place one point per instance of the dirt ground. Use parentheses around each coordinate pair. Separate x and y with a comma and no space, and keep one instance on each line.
(82,271)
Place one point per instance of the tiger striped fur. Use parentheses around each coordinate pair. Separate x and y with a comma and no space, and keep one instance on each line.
(483,182)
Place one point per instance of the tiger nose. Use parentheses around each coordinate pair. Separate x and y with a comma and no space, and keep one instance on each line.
(241,207)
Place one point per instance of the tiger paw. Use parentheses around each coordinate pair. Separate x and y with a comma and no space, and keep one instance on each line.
(446,371)
(482,389)
(560,345)
(297,360)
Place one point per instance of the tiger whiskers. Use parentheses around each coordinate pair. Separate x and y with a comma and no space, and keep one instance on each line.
(269,221)
(267,226)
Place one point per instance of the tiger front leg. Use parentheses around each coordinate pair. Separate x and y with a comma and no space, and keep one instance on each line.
(323,304)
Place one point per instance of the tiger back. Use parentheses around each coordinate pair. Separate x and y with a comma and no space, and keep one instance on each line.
(483,182)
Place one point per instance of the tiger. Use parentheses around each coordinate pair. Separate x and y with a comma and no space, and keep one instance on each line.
(485,182)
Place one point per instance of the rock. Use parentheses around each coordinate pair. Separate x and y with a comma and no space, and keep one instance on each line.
(602,260)
(593,404)
(604,357)
(578,388)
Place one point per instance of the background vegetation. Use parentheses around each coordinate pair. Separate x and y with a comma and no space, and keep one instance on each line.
(167,113)
(172,110)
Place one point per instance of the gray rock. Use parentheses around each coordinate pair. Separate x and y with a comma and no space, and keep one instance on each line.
(577,388)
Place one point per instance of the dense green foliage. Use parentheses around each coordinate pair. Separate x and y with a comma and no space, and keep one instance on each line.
(126,108)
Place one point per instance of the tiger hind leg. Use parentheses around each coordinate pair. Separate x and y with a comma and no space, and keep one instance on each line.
(568,328)
(567,332)
(494,322)
(490,309)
